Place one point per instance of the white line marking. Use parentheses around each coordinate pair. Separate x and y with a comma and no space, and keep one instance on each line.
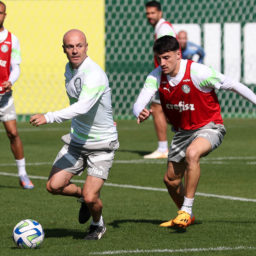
(36,129)
(174,250)
(209,160)
(233,198)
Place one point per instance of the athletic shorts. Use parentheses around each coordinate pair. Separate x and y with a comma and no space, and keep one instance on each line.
(7,109)
(214,133)
(156,98)
(74,158)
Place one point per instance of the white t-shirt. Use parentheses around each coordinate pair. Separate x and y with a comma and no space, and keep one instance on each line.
(90,110)
(163,29)
(203,77)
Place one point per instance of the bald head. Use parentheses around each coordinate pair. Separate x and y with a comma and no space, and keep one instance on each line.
(182,38)
(75,46)
(74,33)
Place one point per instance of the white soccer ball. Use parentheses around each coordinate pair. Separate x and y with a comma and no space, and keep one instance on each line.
(28,234)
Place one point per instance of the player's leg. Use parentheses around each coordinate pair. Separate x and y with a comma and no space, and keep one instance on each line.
(91,193)
(173,181)
(198,148)
(160,128)
(99,164)
(18,153)
(59,183)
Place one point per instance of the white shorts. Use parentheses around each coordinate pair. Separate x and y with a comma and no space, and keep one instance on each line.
(7,109)
(75,158)
(214,133)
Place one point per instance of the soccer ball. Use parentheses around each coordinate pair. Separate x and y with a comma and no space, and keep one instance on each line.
(28,234)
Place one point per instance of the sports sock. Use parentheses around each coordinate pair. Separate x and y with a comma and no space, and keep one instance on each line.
(162,146)
(99,223)
(187,205)
(21,167)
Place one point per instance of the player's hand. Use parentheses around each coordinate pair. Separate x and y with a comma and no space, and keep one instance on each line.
(7,86)
(37,119)
(144,115)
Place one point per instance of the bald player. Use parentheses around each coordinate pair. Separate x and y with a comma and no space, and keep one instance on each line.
(93,139)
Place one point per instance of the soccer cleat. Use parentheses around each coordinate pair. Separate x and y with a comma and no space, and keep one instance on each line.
(182,221)
(157,155)
(95,232)
(84,213)
(25,182)
(169,224)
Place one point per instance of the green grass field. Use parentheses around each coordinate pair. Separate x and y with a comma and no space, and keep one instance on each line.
(224,207)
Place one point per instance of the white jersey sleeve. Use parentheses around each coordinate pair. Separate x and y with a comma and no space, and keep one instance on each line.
(206,79)
(149,89)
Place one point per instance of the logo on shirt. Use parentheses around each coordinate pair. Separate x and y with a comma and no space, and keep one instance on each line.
(4,48)
(78,84)
(3,63)
(185,88)
(181,106)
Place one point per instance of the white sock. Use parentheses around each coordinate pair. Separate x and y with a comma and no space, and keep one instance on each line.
(187,205)
(99,223)
(162,146)
(21,167)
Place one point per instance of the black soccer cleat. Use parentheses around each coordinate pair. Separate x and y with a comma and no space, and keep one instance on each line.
(84,213)
(95,232)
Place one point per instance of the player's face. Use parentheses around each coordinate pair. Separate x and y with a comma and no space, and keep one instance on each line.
(153,15)
(170,62)
(182,38)
(2,16)
(75,47)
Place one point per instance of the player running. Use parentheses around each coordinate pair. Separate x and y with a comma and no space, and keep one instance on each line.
(161,28)
(9,73)
(92,141)
(188,99)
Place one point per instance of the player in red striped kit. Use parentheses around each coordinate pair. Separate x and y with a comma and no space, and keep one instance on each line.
(161,28)
(9,73)
(188,99)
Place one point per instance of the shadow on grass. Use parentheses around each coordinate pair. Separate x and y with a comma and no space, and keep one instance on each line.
(61,232)
(117,223)
(138,152)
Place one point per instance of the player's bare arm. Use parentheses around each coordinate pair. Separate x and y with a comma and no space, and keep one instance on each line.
(144,115)
(38,119)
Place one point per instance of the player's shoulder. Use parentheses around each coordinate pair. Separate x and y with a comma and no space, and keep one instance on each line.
(201,71)
(93,72)
(155,72)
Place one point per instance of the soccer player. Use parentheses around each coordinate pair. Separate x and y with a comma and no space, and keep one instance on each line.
(93,138)
(187,93)
(161,28)
(9,72)
(190,50)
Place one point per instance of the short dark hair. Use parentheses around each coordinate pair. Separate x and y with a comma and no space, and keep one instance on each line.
(166,44)
(153,4)
(2,3)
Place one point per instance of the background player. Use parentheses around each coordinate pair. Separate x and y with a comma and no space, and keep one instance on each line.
(9,72)
(190,50)
(161,28)
(93,138)
(187,92)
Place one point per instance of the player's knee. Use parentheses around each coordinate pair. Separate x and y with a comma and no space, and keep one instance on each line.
(90,198)
(192,155)
(51,188)
(12,134)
